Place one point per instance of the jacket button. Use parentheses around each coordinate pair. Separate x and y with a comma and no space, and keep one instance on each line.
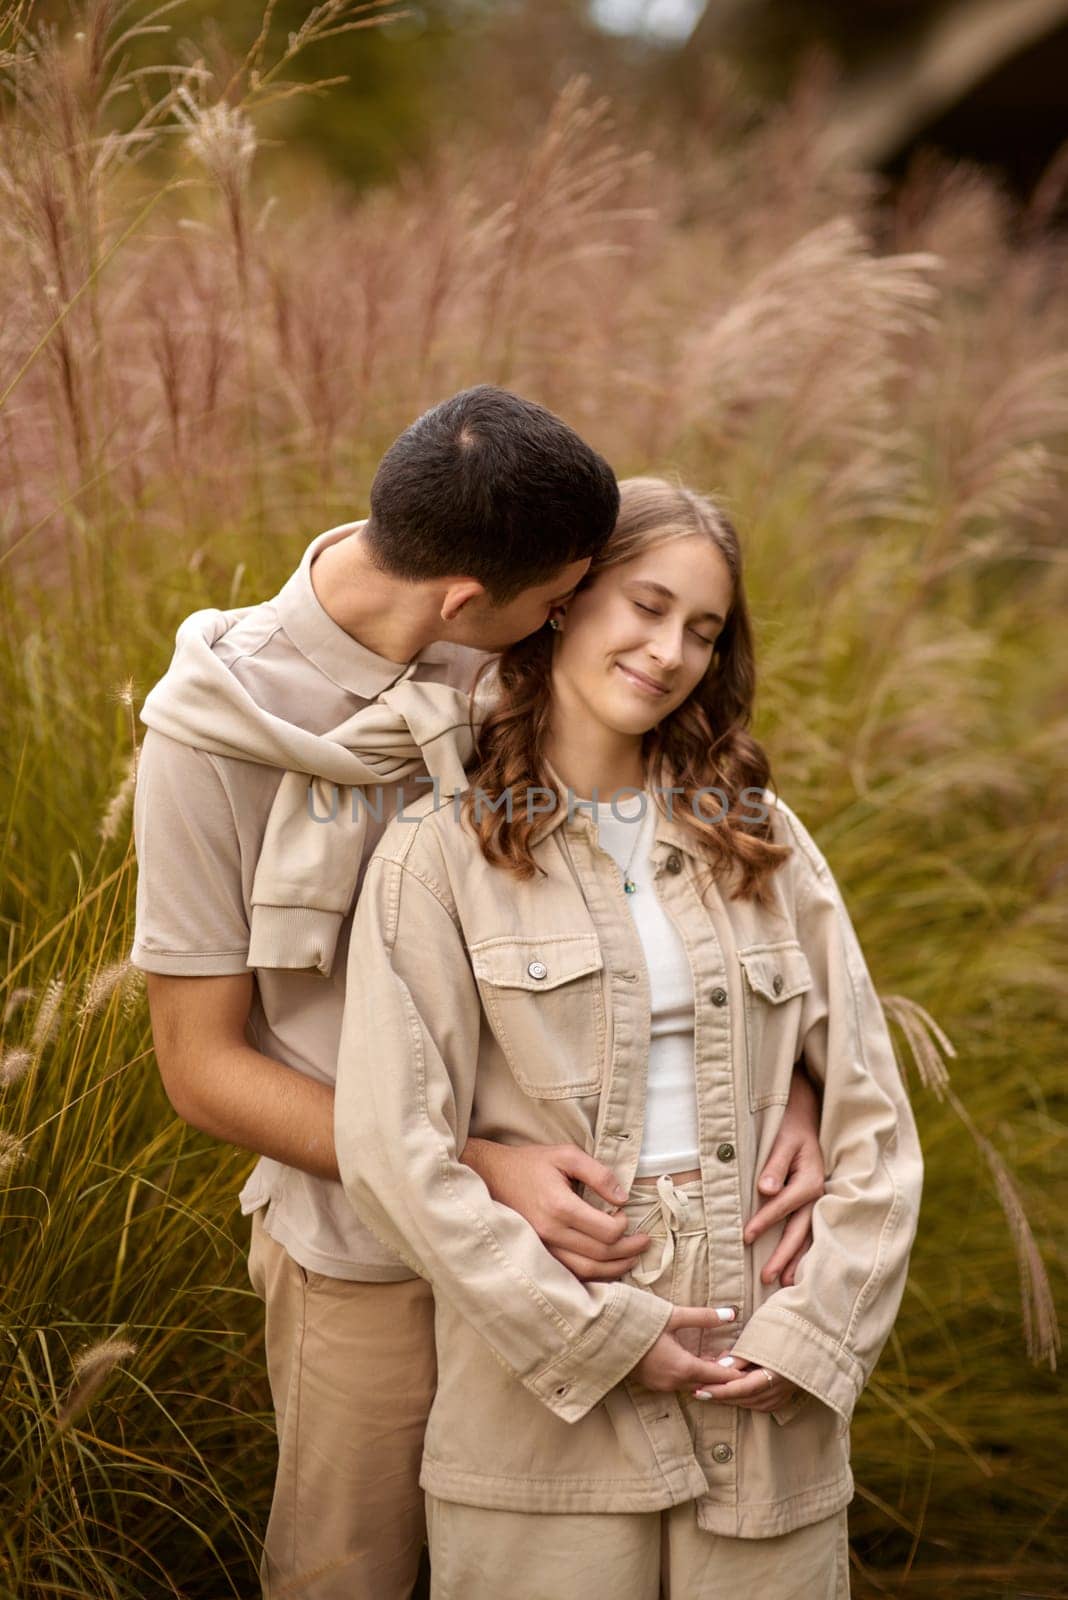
(538,969)
(673,863)
(722,1452)
(776,983)
(725,1152)
(718,997)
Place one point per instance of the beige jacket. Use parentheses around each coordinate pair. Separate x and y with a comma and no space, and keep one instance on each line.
(479,1004)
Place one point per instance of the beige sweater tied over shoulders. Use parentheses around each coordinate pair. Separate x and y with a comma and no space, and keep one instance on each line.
(306,874)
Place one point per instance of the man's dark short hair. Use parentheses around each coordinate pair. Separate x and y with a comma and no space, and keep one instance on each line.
(488,485)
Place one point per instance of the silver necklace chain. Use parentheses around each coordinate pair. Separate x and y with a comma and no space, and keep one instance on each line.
(629,886)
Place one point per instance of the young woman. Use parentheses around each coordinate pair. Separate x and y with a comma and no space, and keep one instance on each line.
(619,937)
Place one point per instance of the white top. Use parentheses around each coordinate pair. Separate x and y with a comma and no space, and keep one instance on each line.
(670,1139)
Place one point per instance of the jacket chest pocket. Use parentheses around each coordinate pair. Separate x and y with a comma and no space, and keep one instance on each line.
(775,979)
(545,1004)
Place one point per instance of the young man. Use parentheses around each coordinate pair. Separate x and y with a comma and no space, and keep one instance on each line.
(484,516)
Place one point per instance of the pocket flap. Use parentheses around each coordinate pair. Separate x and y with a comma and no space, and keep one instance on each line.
(536,964)
(777,972)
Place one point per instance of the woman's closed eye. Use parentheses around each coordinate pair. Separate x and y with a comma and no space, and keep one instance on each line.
(652,612)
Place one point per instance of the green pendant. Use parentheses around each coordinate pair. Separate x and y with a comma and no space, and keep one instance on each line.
(629,887)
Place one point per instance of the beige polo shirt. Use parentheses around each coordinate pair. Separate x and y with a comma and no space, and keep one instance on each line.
(199,822)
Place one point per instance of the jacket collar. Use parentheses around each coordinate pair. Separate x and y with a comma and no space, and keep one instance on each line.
(670,833)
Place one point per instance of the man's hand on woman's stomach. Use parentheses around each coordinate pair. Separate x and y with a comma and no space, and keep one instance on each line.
(538,1181)
(793,1179)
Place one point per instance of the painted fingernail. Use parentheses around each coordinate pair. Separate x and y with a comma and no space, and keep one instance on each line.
(724,1361)
(725,1313)
(702,1394)
(619,1192)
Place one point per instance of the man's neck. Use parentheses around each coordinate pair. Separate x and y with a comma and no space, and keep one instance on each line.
(393,618)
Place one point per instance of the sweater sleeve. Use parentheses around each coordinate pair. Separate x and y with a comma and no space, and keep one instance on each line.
(405,1084)
(827,1330)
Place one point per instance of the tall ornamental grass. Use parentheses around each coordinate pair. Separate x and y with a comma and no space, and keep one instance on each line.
(199,366)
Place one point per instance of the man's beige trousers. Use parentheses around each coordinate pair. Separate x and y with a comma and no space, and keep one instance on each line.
(352,1372)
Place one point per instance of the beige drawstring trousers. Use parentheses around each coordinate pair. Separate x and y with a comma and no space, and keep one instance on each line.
(477,1553)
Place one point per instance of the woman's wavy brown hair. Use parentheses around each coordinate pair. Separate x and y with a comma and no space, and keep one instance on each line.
(703,744)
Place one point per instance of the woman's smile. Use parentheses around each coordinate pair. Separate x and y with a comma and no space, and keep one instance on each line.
(643,684)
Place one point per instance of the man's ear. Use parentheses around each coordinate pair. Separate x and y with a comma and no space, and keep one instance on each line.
(460,593)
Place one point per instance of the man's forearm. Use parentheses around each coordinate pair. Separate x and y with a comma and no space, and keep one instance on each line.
(259,1104)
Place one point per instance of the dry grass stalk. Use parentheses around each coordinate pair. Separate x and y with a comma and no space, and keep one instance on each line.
(1008,471)
(47,1019)
(102,985)
(928,1044)
(559,215)
(91,1370)
(926,1040)
(1042,1334)
(15,1001)
(134,988)
(815,336)
(15,1064)
(117,808)
(223,139)
(12,1151)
